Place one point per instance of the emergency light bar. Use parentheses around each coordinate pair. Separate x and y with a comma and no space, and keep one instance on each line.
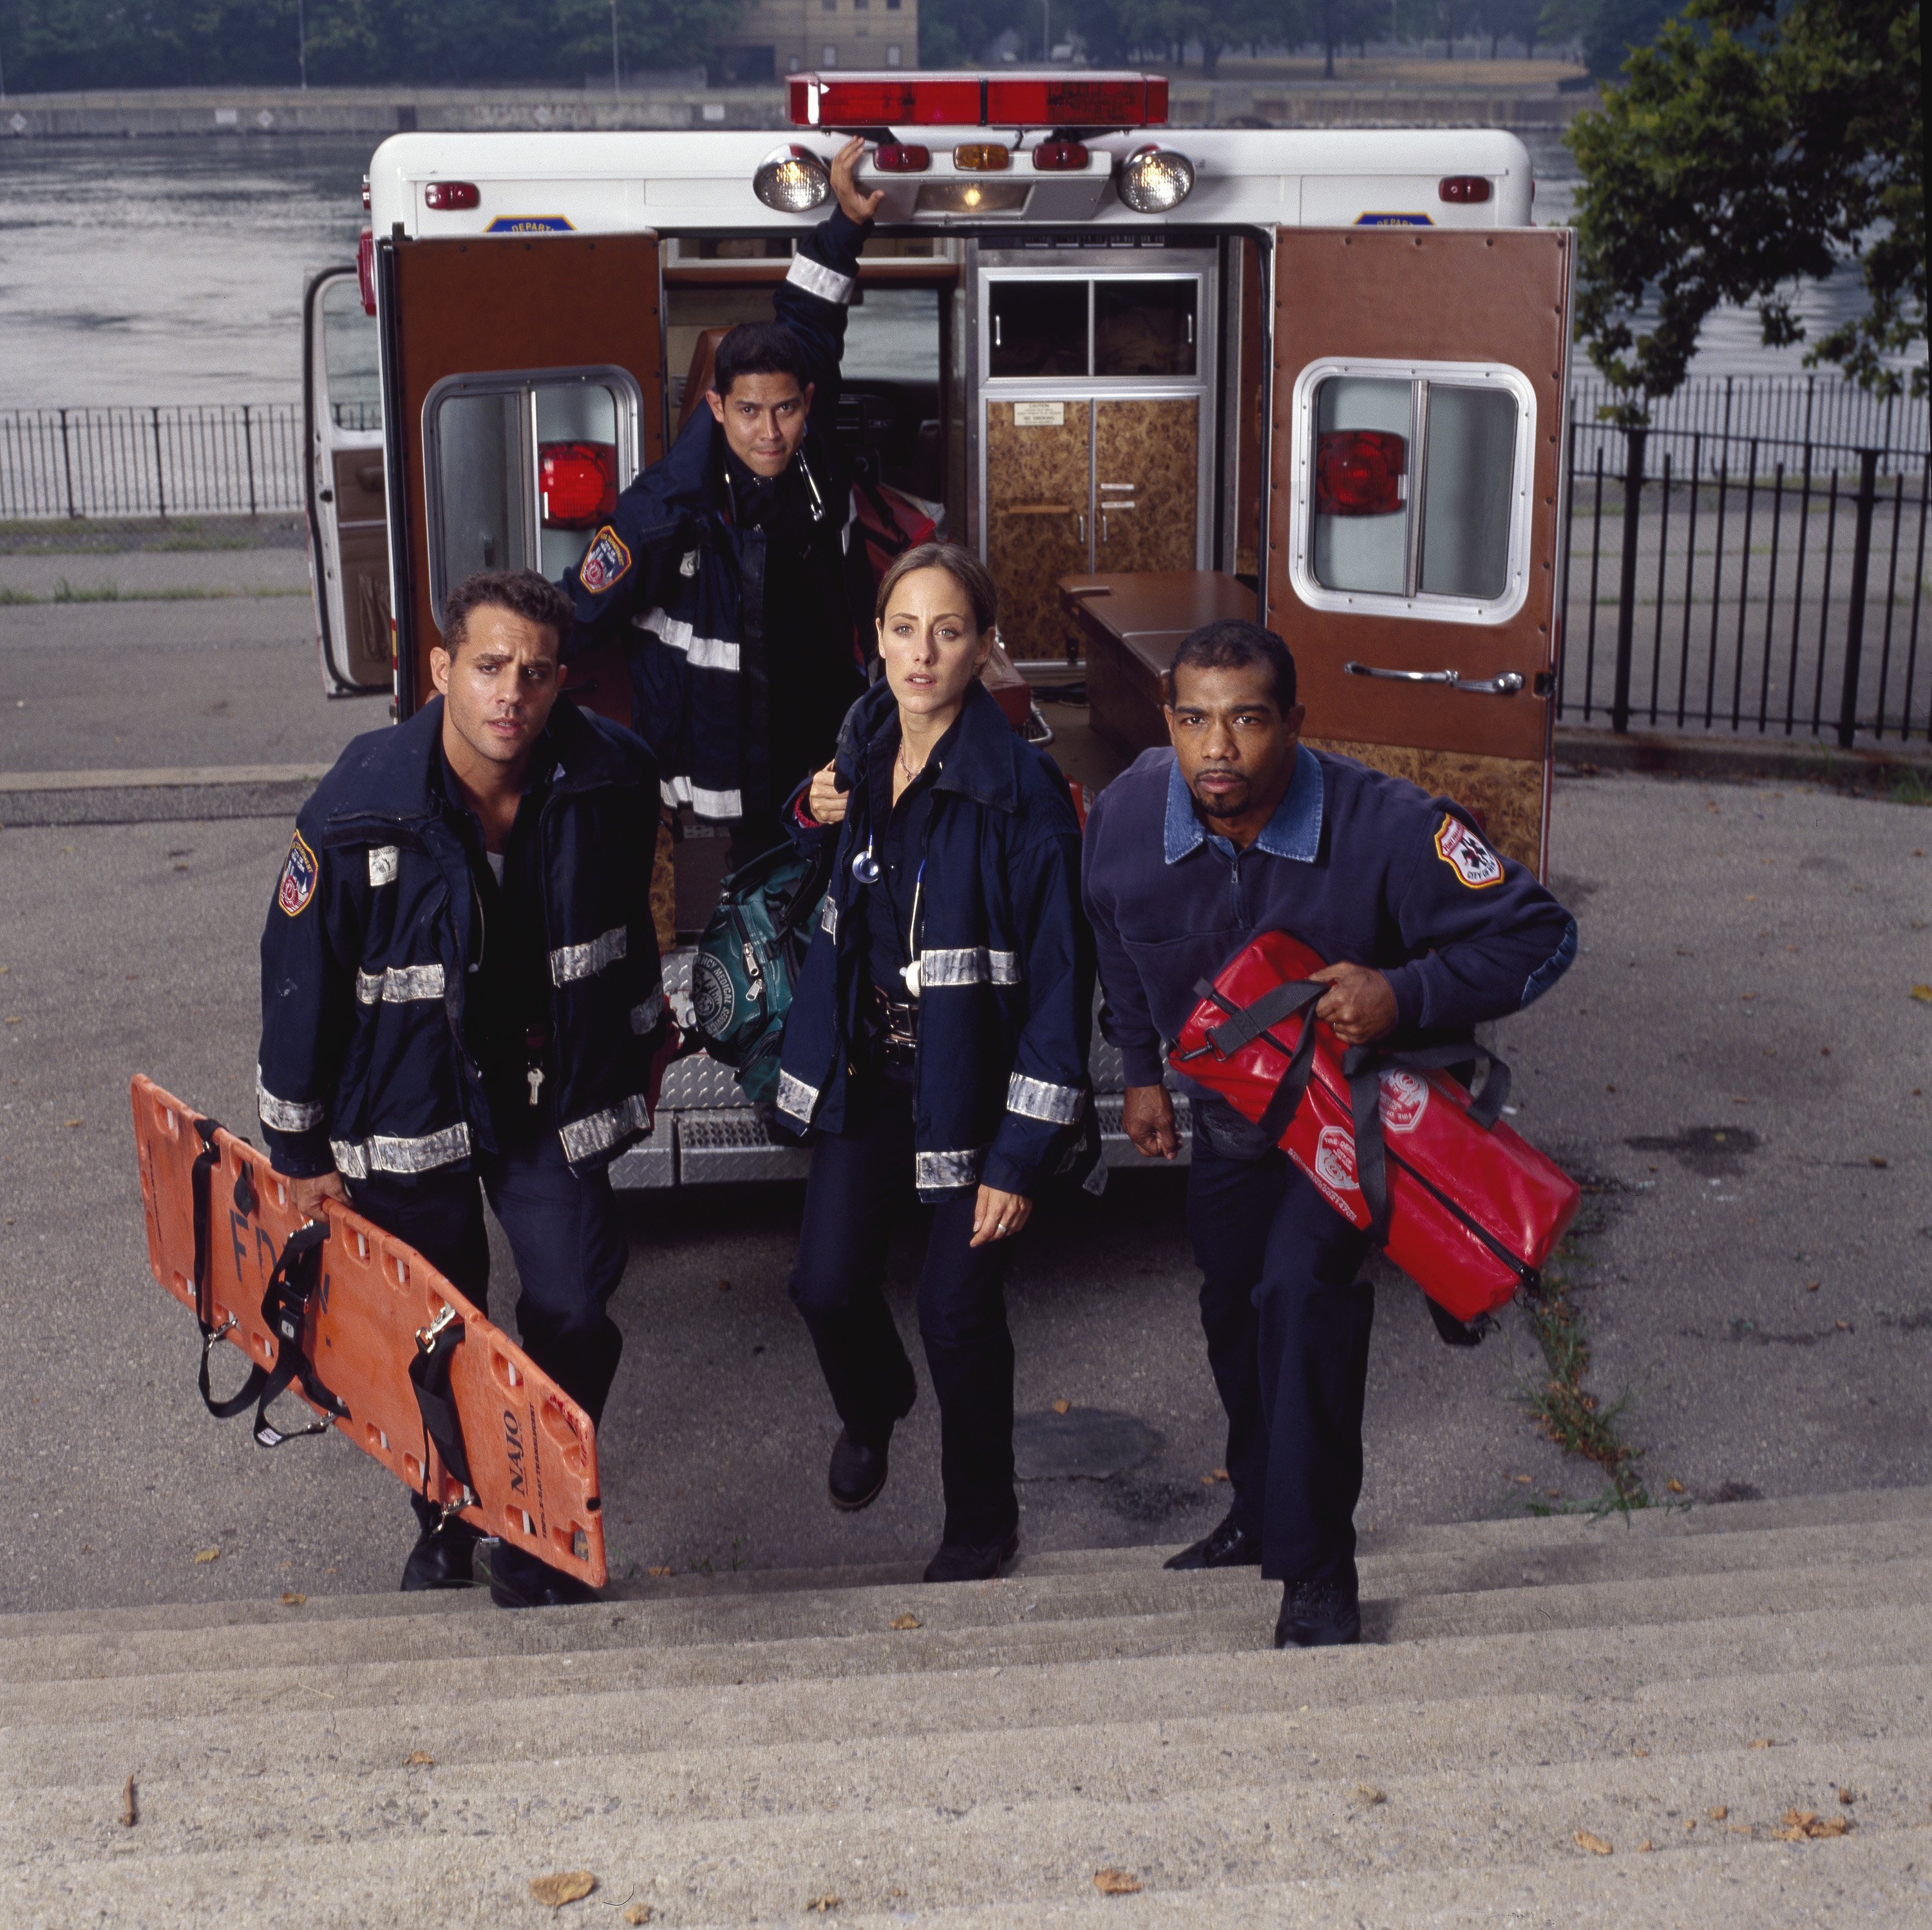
(858,101)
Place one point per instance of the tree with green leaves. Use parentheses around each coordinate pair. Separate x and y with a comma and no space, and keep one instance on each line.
(1753,147)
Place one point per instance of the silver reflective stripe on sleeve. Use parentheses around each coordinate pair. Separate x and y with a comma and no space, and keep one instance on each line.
(569,963)
(705,653)
(828,916)
(938,1172)
(796,1098)
(1038,1099)
(583,1138)
(399,985)
(815,278)
(286,1115)
(383,1153)
(644,1017)
(717,804)
(383,859)
(970,965)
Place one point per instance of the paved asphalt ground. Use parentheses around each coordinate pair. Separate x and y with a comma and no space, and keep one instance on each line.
(1732,933)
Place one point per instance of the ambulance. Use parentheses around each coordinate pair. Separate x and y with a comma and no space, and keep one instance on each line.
(1152,375)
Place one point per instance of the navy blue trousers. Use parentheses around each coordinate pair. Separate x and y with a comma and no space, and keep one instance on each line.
(860,1181)
(1287,1324)
(564,1233)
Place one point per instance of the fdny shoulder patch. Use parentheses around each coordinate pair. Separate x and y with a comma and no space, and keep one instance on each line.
(298,877)
(605,563)
(1467,856)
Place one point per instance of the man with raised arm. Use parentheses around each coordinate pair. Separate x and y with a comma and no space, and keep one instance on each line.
(722,568)
(1240,828)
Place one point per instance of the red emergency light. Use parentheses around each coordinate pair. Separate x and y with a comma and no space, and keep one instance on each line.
(450,194)
(868,100)
(1358,473)
(1463,188)
(901,157)
(579,481)
(1059,157)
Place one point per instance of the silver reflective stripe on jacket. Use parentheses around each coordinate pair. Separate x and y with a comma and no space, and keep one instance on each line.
(714,804)
(286,1115)
(1040,1099)
(815,278)
(570,962)
(705,653)
(937,1173)
(383,859)
(796,1099)
(383,1153)
(644,1017)
(593,1134)
(399,985)
(971,965)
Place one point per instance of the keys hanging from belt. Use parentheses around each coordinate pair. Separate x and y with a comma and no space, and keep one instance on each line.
(536,1040)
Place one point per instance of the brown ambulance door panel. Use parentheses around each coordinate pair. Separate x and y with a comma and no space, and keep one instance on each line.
(521,343)
(1414,496)
(1147,460)
(1039,483)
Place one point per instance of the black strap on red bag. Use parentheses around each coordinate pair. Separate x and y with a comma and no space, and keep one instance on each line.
(1246,1023)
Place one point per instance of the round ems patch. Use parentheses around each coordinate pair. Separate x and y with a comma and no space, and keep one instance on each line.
(1404,1098)
(1467,856)
(712,999)
(298,877)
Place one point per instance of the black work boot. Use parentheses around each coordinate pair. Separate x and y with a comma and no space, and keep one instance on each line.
(858,1471)
(1229,1545)
(1319,1614)
(965,1561)
(445,1553)
(520,1580)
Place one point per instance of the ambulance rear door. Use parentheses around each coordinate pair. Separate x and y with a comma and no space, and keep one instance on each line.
(349,557)
(523,375)
(1415,500)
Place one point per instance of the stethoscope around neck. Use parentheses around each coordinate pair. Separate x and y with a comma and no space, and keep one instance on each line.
(867,870)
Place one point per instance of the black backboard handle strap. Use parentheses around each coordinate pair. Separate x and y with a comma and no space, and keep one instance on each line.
(443,1426)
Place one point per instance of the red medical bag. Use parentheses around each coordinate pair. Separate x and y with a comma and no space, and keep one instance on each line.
(1468,1210)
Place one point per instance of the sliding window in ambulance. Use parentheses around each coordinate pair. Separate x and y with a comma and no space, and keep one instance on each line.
(522,467)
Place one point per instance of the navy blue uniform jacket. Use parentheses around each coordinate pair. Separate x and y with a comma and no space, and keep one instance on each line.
(673,576)
(1000,1088)
(374,930)
(1364,868)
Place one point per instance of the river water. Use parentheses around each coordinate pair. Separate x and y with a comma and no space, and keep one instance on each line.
(172,271)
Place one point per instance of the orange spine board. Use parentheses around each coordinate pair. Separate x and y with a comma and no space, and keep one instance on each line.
(532,1451)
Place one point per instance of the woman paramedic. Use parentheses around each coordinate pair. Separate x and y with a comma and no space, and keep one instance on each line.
(937,1043)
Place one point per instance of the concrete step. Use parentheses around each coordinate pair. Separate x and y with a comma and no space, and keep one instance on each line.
(458,1850)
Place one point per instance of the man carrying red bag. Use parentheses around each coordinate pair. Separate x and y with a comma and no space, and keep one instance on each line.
(1240,828)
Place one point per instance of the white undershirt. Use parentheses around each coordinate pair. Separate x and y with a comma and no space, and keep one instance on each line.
(496,864)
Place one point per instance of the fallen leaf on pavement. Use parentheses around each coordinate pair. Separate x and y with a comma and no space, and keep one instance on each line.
(290,1599)
(1846,1796)
(130,1812)
(638,1913)
(1760,1742)
(1595,1845)
(1645,1844)
(1116,1883)
(207,1554)
(1923,993)
(1718,1815)
(1691,1825)
(904,1622)
(419,1759)
(657,1574)
(1796,1826)
(1368,1796)
(565,1886)
(1675,1486)
(1062,1406)
(826,1904)
(1637,1750)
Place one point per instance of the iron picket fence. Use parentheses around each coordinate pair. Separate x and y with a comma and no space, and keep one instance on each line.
(1718,575)
(211,459)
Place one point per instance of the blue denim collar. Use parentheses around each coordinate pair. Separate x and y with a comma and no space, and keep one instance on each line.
(1293,832)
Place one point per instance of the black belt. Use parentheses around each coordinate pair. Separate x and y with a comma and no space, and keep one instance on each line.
(898,1027)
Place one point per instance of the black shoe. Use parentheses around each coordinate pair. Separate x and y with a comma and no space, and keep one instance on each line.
(856,1475)
(1230,1546)
(442,1558)
(961,1561)
(1318,1615)
(518,1580)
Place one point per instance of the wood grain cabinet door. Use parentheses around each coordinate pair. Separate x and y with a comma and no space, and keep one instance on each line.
(1147,484)
(1414,530)
(1039,485)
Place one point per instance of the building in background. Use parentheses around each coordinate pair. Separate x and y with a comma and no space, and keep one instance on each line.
(776,38)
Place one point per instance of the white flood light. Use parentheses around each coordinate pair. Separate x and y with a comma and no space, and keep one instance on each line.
(1153,180)
(793,180)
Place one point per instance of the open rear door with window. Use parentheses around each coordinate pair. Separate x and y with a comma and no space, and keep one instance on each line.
(1415,510)
(524,377)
